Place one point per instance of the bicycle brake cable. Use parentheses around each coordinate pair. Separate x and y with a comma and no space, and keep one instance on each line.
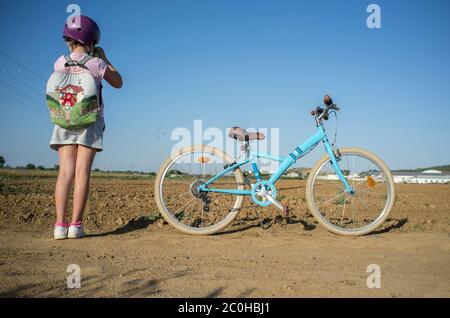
(335,129)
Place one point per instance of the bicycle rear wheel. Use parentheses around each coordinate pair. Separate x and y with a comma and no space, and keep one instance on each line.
(183,206)
(351,214)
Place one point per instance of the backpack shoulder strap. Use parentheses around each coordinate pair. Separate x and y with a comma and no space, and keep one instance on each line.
(70,62)
(85,59)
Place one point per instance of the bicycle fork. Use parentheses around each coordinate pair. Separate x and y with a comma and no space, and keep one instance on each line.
(334,163)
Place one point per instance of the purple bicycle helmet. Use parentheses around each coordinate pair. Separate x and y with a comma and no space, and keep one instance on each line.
(87,33)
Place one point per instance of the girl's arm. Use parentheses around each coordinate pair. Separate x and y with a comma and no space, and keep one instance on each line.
(112,76)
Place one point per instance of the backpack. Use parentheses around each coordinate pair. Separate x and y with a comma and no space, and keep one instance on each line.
(73,98)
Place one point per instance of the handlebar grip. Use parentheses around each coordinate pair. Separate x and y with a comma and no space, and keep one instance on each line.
(317,111)
(327,100)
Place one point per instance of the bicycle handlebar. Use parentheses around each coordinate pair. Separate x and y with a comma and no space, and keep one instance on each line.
(322,113)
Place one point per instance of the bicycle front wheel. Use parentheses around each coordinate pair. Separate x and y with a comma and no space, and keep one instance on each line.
(351,214)
(178,198)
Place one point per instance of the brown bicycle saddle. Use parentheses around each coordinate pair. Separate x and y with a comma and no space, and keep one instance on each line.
(243,135)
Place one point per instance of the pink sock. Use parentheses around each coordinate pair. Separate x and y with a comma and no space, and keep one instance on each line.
(62,224)
(77,224)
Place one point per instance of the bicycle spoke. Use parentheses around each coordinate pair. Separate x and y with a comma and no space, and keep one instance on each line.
(353,214)
(183,206)
(330,199)
(365,190)
(343,212)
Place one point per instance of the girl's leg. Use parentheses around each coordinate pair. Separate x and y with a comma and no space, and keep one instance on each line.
(67,159)
(85,158)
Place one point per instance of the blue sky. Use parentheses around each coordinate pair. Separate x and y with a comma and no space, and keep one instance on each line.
(246,63)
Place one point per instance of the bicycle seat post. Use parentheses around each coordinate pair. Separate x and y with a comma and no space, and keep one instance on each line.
(245,147)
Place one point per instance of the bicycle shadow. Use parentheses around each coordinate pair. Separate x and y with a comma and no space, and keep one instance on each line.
(267,223)
(245,224)
(396,224)
(132,225)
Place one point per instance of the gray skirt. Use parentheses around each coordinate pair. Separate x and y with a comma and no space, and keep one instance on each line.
(91,136)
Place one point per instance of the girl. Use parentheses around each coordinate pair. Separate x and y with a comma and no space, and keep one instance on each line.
(77,147)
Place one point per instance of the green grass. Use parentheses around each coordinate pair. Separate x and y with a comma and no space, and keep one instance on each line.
(7,188)
(154,217)
(340,200)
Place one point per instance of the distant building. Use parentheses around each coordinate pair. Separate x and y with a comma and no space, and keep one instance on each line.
(425,177)
(328,177)
(403,177)
(432,171)
(300,172)
(303,172)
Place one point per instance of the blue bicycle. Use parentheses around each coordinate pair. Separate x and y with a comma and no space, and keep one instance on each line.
(201,190)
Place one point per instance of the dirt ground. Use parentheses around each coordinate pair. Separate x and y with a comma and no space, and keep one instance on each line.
(129,252)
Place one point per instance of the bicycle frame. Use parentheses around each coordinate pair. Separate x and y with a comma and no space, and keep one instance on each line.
(285,164)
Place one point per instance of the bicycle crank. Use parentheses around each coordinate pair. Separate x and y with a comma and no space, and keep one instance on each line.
(283,208)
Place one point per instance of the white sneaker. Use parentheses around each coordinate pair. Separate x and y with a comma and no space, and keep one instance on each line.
(75,231)
(60,232)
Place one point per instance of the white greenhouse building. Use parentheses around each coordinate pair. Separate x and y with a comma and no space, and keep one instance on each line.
(425,177)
